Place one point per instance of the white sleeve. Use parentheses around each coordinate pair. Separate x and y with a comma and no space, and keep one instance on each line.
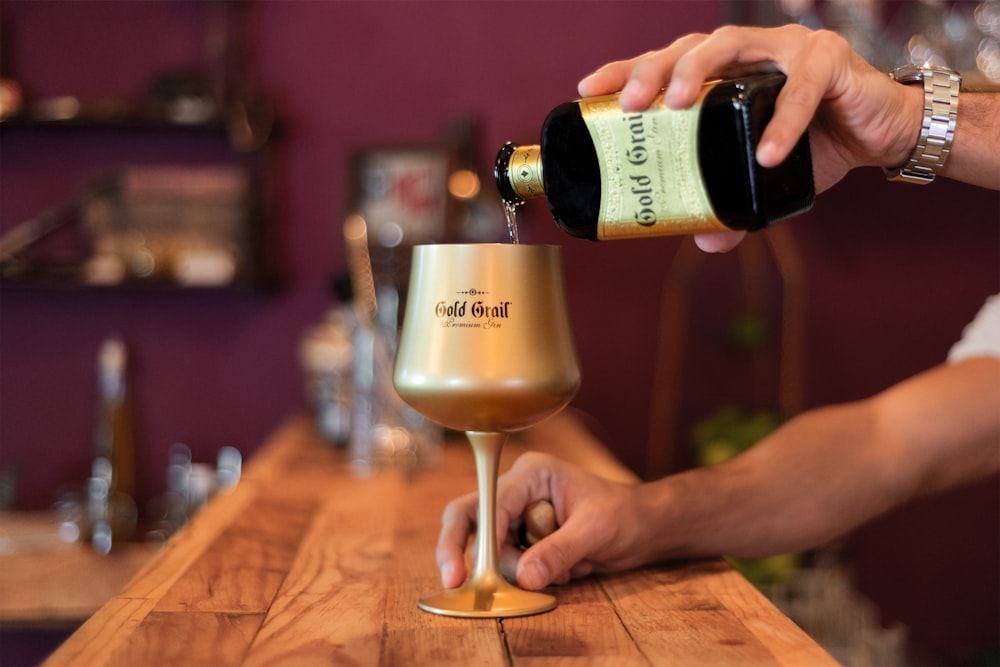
(981,338)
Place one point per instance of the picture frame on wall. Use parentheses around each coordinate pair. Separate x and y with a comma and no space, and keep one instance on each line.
(402,193)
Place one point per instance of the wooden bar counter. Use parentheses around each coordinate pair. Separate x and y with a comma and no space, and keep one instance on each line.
(305,563)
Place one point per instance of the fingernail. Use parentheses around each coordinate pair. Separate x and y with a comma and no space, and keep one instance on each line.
(675,94)
(533,575)
(766,152)
(584,86)
(632,87)
(447,572)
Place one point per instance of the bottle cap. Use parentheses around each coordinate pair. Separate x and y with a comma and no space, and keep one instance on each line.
(518,173)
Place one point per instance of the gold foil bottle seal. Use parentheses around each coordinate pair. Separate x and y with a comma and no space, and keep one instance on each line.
(518,173)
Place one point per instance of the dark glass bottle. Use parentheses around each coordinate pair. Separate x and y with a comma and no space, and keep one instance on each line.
(114,438)
(613,174)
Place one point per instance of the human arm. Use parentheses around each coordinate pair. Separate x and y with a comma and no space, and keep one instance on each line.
(975,153)
(830,470)
(817,477)
(855,115)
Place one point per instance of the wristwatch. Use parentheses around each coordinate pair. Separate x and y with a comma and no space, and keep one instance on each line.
(937,131)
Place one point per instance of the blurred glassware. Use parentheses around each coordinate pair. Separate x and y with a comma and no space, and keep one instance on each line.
(962,35)
(385,431)
(327,356)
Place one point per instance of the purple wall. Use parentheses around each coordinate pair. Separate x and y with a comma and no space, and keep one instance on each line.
(214,369)
(893,272)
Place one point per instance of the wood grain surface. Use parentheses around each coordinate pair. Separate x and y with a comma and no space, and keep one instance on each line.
(47,582)
(305,563)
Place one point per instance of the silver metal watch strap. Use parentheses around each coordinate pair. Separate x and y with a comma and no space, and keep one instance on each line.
(941,87)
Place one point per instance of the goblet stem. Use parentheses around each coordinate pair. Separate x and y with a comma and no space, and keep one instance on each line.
(487,594)
(486,448)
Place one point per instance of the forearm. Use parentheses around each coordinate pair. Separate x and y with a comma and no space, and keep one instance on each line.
(974,152)
(944,425)
(815,478)
(973,156)
(828,471)
(810,481)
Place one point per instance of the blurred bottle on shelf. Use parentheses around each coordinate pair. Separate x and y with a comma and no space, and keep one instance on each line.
(110,506)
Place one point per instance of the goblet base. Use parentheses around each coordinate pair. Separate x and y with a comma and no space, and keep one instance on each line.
(474,601)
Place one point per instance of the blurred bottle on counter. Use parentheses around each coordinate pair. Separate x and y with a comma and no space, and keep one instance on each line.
(327,357)
(347,361)
(385,431)
(110,506)
(189,486)
(610,174)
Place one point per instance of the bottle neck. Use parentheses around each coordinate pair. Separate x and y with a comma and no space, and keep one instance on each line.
(519,173)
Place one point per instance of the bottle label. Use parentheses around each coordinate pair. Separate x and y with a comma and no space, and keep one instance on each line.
(652,183)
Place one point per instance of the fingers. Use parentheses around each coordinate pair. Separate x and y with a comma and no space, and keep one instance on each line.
(608,79)
(526,482)
(457,525)
(588,507)
(639,79)
(651,72)
(684,66)
(796,105)
(729,51)
(806,57)
(509,555)
(558,557)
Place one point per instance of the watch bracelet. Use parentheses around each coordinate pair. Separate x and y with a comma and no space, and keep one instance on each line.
(937,130)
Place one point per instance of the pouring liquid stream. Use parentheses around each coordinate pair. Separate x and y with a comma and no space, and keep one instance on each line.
(510,213)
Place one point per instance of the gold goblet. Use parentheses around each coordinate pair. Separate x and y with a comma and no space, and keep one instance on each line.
(486,348)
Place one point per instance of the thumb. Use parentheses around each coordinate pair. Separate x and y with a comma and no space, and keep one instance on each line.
(718,241)
(553,558)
